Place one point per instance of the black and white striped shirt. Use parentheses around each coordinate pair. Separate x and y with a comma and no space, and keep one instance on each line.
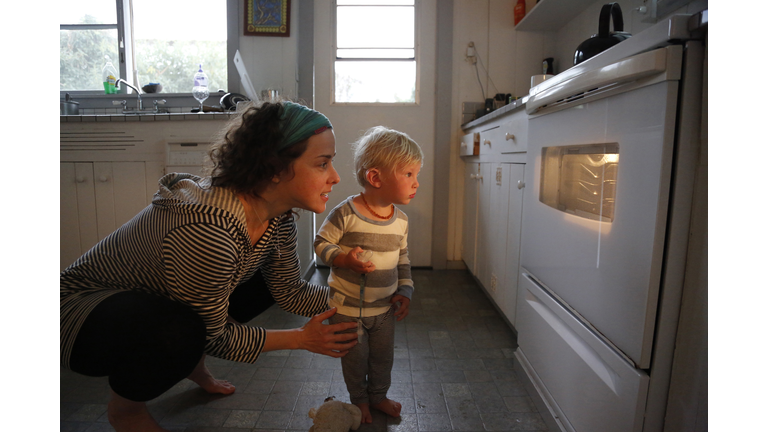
(191,245)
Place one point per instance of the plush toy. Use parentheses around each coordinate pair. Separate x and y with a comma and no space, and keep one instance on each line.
(335,416)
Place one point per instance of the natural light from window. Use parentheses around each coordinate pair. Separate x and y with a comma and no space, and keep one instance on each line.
(170,39)
(375,52)
(173,36)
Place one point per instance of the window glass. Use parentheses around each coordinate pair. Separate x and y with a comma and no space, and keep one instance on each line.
(97,11)
(375,52)
(375,81)
(82,57)
(171,37)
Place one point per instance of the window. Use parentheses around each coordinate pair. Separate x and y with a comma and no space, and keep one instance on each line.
(162,41)
(375,51)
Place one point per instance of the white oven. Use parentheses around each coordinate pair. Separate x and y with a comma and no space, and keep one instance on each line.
(603,145)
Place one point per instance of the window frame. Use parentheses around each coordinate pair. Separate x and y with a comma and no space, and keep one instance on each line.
(416,59)
(126,50)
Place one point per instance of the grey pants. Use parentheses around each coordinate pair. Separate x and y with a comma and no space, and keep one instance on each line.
(372,358)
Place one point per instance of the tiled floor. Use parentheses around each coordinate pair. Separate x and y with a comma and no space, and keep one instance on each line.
(453,371)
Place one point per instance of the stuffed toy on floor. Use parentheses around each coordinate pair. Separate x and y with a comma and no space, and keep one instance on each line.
(335,416)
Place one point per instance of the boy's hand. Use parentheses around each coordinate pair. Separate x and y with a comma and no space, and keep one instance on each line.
(401,303)
(353,262)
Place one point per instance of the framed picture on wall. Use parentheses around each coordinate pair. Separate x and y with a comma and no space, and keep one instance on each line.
(268,18)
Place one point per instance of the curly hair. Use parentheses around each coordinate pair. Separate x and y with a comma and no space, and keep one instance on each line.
(245,157)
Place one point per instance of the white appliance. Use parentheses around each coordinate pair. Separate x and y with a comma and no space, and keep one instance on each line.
(605,228)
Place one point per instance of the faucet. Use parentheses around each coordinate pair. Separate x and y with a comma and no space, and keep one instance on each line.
(120,80)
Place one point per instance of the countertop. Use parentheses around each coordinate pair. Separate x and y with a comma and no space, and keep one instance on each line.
(506,109)
(85,118)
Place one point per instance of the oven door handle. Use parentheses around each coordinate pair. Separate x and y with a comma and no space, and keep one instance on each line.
(604,78)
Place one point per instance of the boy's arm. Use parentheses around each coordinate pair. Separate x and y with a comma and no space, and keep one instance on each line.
(327,247)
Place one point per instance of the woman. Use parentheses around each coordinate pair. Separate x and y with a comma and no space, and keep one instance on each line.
(148,302)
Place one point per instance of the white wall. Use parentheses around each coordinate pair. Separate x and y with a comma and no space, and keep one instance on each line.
(272,61)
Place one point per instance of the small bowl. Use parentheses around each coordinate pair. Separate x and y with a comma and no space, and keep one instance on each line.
(153,88)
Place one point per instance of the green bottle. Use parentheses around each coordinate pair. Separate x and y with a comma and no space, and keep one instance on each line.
(109,77)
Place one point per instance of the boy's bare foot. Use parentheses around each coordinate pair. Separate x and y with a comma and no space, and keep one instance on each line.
(202,377)
(389,407)
(366,411)
(128,416)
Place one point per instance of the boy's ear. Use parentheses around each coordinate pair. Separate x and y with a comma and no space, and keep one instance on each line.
(373,176)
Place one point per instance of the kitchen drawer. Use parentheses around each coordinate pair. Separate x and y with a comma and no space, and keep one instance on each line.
(470,144)
(509,137)
(587,384)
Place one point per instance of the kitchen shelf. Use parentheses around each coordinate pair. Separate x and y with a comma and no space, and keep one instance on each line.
(552,15)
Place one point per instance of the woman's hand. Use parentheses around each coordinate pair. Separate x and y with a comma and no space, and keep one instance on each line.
(324,339)
(353,262)
(401,304)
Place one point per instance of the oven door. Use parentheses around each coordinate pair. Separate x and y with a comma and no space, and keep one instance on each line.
(594,221)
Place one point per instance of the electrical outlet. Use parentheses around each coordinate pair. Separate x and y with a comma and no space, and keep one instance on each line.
(493,283)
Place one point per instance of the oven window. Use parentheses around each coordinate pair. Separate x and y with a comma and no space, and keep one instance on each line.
(581,179)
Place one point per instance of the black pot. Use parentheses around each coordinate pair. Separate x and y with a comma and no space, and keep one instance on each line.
(229,101)
(604,39)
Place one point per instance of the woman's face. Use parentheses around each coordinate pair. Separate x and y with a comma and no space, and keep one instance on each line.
(311,177)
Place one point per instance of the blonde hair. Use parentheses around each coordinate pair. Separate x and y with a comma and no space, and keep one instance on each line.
(383,148)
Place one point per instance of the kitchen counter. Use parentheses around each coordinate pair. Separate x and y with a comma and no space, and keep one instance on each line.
(506,109)
(86,118)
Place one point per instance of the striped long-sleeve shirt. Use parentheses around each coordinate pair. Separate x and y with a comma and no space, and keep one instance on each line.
(343,230)
(191,245)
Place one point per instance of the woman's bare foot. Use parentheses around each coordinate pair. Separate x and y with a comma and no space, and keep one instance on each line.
(202,377)
(388,407)
(128,416)
(366,411)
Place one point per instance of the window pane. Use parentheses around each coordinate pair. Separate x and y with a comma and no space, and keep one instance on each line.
(372,81)
(375,27)
(376,53)
(81,57)
(87,12)
(168,50)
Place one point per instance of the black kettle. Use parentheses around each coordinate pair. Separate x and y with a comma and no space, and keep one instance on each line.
(604,39)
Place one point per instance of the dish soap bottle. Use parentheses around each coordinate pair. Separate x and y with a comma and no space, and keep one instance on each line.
(109,77)
(200,87)
(519,11)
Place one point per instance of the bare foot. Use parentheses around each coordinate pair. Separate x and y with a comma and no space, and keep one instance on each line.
(388,407)
(366,411)
(202,377)
(128,416)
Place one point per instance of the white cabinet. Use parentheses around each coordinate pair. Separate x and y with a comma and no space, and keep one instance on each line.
(469,228)
(493,200)
(499,217)
(98,197)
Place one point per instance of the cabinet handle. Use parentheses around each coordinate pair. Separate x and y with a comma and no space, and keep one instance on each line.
(487,142)
(80,179)
(520,184)
(103,179)
(508,136)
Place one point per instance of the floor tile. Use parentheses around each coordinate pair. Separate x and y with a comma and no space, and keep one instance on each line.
(453,370)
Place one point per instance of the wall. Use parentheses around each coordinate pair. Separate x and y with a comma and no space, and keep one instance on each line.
(271,61)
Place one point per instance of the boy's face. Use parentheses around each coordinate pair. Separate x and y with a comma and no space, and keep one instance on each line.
(400,185)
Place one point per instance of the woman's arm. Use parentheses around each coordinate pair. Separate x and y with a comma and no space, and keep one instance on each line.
(314,337)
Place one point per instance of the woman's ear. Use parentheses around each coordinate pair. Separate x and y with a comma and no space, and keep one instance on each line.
(373,176)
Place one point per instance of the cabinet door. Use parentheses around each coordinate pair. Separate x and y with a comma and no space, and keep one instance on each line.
(96,199)
(507,301)
(492,227)
(469,228)
(120,193)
